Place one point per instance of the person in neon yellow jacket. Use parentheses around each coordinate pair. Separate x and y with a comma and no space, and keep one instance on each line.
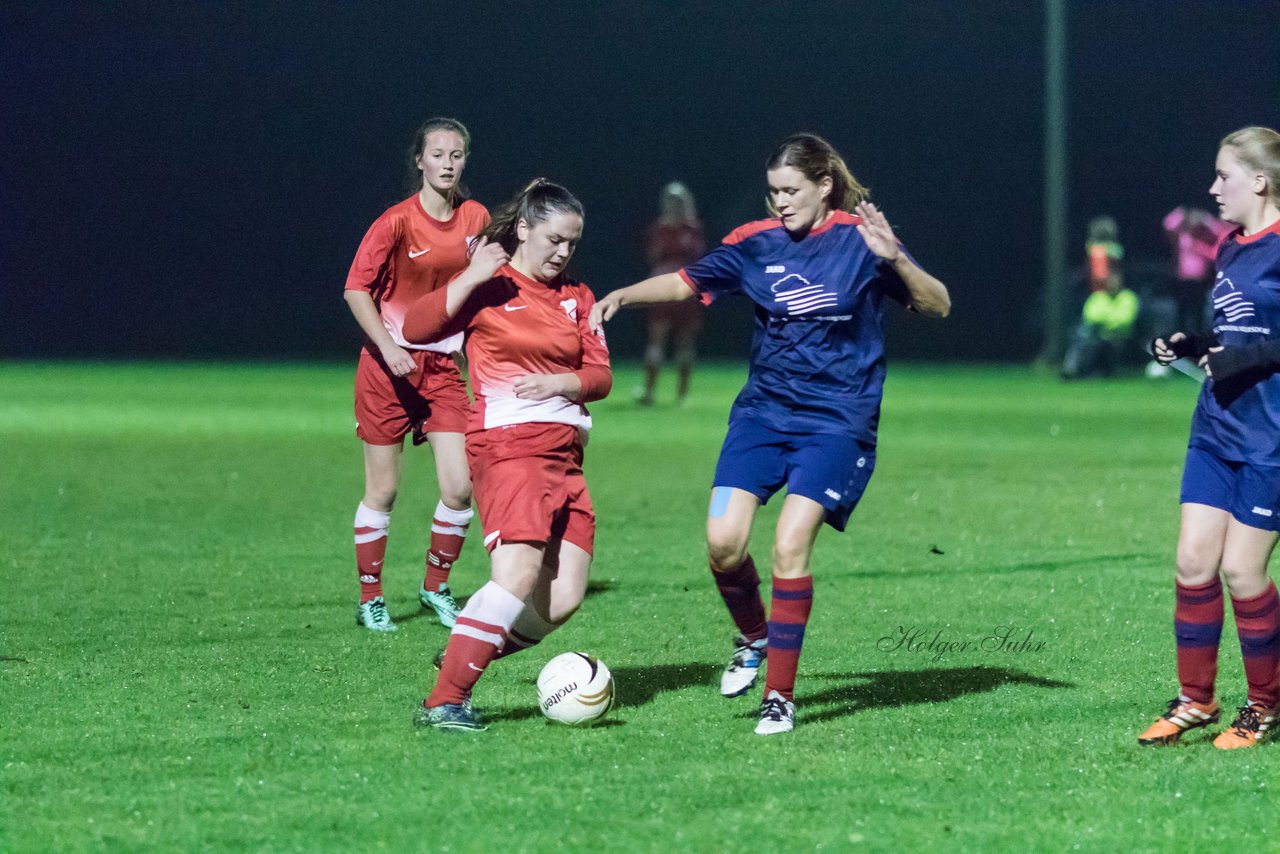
(1106,324)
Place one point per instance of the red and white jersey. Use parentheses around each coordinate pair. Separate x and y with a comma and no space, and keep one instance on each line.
(407,254)
(515,326)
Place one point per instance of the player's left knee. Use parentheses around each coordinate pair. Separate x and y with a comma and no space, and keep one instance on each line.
(1245,582)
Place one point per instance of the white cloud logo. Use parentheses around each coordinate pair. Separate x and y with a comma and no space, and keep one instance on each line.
(1230,301)
(802,296)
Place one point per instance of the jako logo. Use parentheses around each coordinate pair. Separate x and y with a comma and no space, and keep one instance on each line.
(1230,302)
(570,307)
(800,296)
(559,695)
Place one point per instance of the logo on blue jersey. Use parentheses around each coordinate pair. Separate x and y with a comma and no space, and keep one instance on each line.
(800,296)
(1228,300)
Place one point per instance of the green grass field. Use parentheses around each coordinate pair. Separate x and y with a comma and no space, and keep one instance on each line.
(181,669)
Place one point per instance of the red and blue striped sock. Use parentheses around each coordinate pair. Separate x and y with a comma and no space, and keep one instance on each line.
(788,615)
(1197,629)
(740,590)
(1258,624)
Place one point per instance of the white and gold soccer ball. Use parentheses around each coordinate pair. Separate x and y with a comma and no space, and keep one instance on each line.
(575,689)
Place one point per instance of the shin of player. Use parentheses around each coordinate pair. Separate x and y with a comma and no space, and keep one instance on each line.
(534,363)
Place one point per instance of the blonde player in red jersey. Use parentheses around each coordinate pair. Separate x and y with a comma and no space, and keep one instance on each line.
(414,248)
(534,362)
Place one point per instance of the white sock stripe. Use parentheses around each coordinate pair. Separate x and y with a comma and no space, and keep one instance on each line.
(445,513)
(448,529)
(370,537)
(367,517)
(432,559)
(493,604)
(472,632)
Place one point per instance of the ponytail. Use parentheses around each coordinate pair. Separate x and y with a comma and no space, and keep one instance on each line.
(536,203)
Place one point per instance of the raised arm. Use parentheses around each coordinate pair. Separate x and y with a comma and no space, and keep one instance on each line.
(668,287)
(429,318)
(928,295)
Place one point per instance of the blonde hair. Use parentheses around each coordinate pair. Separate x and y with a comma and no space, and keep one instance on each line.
(815,159)
(1258,148)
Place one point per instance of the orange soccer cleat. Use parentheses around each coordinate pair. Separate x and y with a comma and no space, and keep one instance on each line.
(1250,727)
(1183,715)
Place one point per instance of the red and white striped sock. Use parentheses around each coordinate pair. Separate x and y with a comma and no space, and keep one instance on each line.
(371,549)
(448,532)
(480,632)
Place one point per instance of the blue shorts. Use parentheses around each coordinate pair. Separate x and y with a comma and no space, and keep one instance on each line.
(1251,494)
(832,470)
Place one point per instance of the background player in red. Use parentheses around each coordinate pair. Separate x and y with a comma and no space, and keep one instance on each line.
(534,362)
(414,248)
(1231,478)
(674,239)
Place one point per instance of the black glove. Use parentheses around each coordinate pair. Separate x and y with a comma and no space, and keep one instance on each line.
(1261,356)
(1191,347)
(1235,369)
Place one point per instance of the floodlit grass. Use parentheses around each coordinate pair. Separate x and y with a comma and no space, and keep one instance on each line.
(181,668)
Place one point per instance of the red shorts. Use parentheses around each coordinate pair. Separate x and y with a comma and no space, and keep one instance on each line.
(432,399)
(529,485)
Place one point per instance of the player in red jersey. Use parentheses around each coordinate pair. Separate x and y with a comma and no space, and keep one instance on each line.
(414,248)
(534,362)
(674,240)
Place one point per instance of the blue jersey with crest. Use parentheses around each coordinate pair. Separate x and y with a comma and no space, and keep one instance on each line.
(817,352)
(1246,309)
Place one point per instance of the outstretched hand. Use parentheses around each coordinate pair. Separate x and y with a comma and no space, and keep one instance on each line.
(877,232)
(603,310)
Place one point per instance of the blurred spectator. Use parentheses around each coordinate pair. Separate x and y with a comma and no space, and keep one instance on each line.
(1104,252)
(1193,235)
(674,240)
(1107,320)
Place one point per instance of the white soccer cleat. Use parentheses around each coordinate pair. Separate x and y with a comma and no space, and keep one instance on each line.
(777,715)
(373,615)
(743,668)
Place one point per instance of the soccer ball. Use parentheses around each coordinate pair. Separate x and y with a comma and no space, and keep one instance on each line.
(575,688)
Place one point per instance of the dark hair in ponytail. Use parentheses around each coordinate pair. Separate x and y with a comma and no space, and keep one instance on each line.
(536,203)
(815,159)
(413,181)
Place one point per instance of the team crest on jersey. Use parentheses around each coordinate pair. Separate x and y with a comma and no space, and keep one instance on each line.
(570,307)
(800,296)
(1228,300)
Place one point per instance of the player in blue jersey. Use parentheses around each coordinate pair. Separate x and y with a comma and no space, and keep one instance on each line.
(1231,480)
(818,272)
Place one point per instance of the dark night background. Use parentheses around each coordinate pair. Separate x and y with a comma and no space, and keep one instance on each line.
(191,180)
